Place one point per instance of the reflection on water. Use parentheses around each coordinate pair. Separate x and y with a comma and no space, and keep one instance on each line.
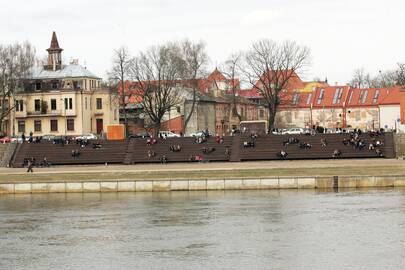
(351,229)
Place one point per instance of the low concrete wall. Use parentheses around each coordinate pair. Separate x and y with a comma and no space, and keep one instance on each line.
(214,184)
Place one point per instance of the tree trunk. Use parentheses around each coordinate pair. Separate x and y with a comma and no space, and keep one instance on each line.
(156,129)
(272,117)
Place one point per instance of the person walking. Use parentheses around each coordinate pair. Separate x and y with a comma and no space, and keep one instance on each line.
(30,165)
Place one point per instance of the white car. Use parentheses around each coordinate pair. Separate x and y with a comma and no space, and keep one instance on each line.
(200,134)
(168,134)
(293,131)
(89,136)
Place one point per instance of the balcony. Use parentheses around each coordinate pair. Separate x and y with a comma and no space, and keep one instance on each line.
(21,114)
(45,113)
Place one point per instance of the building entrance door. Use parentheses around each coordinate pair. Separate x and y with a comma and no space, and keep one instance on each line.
(99,125)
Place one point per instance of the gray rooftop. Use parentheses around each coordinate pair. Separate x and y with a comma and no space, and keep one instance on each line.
(68,71)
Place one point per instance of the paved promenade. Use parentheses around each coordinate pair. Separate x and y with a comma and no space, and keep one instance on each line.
(210,170)
(252,165)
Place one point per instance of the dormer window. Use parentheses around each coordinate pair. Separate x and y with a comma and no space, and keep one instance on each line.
(309,98)
(376,95)
(338,95)
(363,96)
(54,85)
(321,95)
(296,98)
(38,86)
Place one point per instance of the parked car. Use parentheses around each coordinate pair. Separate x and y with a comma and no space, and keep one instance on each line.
(142,135)
(89,136)
(168,134)
(18,139)
(5,139)
(48,137)
(200,134)
(294,131)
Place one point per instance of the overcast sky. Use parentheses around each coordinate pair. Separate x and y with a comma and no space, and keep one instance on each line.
(342,34)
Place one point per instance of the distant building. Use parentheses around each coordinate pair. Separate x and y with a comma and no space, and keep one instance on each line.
(216,108)
(62,99)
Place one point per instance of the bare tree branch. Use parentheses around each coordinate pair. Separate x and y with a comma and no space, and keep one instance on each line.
(269,66)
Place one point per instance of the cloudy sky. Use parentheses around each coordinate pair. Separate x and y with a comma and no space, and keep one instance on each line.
(342,34)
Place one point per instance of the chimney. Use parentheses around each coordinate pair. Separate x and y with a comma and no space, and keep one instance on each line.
(74,62)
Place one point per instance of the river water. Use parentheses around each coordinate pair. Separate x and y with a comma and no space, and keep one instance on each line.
(349,229)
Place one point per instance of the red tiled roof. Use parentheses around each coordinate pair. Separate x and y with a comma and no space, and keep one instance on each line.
(330,96)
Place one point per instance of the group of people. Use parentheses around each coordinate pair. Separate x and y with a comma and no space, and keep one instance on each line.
(219,139)
(175,148)
(151,141)
(31,162)
(75,153)
(196,158)
(208,150)
(251,142)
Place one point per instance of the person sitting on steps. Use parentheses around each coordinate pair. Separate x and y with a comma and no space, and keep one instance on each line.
(282,154)
(337,153)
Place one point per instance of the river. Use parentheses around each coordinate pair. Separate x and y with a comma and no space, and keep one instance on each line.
(348,229)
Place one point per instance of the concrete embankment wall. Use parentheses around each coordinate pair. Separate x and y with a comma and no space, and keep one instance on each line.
(193,185)
(400,144)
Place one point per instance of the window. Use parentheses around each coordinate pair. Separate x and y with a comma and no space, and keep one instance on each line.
(309,98)
(38,86)
(363,96)
(19,106)
(321,94)
(21,126)
(261,113)
(178,109)
(337,96)
(37,105)
(37,126)
(296,98)
(68,103)
(53,104)
(54,125)
(99,103)
(376,95)
(70,124)
(350,97)
(54,85)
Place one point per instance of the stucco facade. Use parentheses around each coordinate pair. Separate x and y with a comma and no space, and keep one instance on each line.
(62,99)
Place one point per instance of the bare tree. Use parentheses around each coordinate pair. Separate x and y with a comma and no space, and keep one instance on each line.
(384,79)
(361,79)
(156,73)
(269,66)
(192,68)
(231,70)
(117,76)
(389,78)
(16,60)
(400,74)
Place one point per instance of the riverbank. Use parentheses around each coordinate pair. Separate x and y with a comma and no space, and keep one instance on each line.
(209,176)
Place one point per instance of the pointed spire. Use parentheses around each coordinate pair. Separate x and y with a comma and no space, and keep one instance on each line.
(54,44)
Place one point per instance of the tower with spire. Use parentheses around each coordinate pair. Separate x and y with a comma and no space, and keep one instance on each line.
(54,54)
